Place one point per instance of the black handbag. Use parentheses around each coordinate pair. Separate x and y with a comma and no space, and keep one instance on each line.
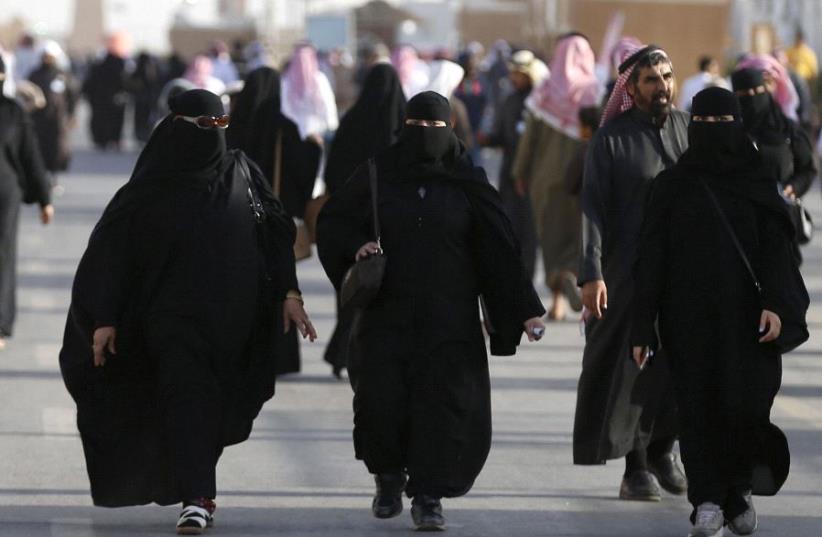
(794,330)
(363,280)
(802,220)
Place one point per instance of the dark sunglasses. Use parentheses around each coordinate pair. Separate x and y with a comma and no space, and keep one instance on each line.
(207,122)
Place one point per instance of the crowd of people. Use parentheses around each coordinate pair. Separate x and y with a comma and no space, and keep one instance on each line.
(674,230)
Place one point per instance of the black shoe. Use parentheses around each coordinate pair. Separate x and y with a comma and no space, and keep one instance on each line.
(426,512)
(639,486)
(669,474)
(388,499)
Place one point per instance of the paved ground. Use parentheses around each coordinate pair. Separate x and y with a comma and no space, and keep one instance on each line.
(297,476)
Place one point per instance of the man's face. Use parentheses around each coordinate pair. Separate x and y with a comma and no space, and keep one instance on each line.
(654,89)
(520,81)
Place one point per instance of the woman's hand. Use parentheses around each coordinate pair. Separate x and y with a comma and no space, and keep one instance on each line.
(534,329)
(103,340)
(294,313)
(595,297)
(369,248)
(640,356)
(770,326)
(46,214)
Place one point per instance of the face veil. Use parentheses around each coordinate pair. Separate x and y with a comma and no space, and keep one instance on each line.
(427,144)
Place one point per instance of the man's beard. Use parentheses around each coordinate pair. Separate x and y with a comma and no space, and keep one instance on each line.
(659,106)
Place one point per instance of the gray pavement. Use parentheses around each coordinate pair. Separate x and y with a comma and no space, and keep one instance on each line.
(297,475)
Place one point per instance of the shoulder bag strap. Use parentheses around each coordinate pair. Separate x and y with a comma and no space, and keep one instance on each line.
(278,167)
(256,205)
(372,179)
(733,236)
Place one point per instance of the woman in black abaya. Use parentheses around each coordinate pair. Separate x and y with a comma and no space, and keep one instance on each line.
(714,325)
(418,365)
(259,128)
(370,126)
(168,345)
(23,179)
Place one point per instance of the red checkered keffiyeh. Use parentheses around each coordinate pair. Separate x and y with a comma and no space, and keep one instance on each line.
(620,101)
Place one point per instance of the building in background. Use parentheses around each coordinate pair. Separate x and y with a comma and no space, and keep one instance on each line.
(686,28)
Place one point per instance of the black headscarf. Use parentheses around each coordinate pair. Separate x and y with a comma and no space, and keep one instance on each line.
(180,150)
(428,144)
(260,91)
(2,74)
(722,154)
(761,116)
(370,126)
(178,153)
(721,147)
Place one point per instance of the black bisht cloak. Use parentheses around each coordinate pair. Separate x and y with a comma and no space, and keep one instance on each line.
(178,251)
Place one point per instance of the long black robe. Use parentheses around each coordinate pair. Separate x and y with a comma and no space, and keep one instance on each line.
(369,127)
(104,88)
(690,273)
(23,179)
(620,409)
(256,125)
(509,124)
(145,85)
(179,265)
(51,123)
(418,363)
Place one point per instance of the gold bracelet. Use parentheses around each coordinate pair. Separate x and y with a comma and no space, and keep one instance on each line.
(294,295)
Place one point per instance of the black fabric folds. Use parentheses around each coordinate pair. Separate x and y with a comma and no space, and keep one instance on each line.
(370,126)
(258,126)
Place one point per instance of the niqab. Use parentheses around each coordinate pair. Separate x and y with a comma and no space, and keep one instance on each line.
(427,146)
(177,153)
(721,154)
(260,95)
(761,115)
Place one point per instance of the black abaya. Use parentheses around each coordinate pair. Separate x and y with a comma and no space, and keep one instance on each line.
(257,126)
(370,126)
(104,88)
(23,179)
(195,332)
(689,272)
(418,363)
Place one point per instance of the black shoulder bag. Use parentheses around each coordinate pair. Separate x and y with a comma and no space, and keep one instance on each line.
(363,280)
(793,334)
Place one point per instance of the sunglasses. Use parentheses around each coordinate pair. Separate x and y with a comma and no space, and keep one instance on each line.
(207,122)
(426,123)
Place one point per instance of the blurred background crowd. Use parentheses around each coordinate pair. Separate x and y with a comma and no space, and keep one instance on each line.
(125,58)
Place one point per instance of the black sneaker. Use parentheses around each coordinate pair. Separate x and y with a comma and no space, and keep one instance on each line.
(640,486)
(388,499)
(669,474)
(426,512)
